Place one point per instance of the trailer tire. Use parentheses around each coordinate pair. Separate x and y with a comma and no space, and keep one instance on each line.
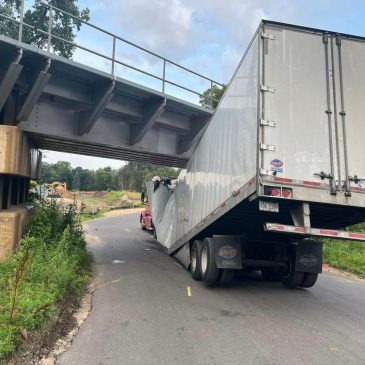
(309,280)
(154,233)
(195,254)
(225,276)
(143,227)
(208,266)
(293,279)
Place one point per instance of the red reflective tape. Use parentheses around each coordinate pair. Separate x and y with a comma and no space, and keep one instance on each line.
(284,180)
(299,229)
(328,232)
(223,204)
(236,193)
(357,189)
(357,235)
(253,181)
(312,183)
(279,228)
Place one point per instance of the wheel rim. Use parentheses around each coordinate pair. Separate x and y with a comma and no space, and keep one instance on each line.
(204,259)
(193,260)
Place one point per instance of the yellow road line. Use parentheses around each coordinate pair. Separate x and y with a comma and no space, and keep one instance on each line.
(189,291)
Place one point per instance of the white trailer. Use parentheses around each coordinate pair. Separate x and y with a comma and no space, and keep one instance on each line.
(280,161)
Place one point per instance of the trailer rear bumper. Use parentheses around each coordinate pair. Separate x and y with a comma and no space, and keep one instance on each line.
(315,232)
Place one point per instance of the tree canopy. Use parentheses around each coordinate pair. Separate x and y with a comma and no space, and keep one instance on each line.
(63,26)
(212,96)
(131,176)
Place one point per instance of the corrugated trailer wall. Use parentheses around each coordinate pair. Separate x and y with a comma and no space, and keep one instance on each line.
(225,158)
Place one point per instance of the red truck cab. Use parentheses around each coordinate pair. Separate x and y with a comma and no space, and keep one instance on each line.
(145,218)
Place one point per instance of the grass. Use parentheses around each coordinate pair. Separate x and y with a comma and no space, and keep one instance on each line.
(99,214)
(113,199)
(346,255)
(51,263)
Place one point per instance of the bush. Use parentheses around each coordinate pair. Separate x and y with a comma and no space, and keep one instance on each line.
(51,263)
(346,255)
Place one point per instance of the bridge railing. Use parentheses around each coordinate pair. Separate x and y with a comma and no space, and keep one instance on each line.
(206,97)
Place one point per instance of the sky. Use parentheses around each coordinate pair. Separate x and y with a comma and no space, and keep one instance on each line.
(207,36)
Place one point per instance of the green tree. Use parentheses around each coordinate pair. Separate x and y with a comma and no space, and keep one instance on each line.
(212,96)
(63,172)
(103,179)
(63,26)
(48,173)
(76,181)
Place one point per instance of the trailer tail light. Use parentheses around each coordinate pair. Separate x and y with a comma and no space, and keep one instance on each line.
(286,193)
(278,192)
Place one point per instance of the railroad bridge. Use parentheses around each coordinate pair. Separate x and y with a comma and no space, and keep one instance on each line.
(50,102)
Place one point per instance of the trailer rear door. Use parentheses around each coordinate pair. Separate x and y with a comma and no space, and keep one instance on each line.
(299,144)
(350,58)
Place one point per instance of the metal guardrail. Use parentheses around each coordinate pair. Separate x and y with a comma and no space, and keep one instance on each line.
(112,57)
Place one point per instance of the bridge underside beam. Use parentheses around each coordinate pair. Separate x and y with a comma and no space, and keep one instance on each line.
(9,79)
(152,111)
(106,151)
(35,91)
(88,118)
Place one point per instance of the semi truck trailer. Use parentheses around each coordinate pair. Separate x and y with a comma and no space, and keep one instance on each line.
(279,165)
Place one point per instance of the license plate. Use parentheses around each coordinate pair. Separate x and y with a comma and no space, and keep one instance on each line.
(268,206)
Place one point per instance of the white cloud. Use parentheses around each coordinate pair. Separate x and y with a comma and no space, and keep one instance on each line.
(86,162)
(162,26)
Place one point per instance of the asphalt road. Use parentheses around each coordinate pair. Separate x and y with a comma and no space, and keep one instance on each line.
(142,313)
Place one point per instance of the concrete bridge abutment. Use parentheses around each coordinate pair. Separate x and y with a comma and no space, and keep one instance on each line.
(19,163)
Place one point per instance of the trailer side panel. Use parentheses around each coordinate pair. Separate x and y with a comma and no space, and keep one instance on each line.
(224,160)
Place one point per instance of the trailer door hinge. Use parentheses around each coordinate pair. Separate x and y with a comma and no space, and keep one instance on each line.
(323,175)
(357,180)
(267,123)
(267,147)
(268,89)
(267,36)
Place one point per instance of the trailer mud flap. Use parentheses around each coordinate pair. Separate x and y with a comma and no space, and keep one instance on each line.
(227,251)
(308,256)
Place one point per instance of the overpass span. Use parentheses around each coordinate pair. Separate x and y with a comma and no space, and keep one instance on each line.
(68,106)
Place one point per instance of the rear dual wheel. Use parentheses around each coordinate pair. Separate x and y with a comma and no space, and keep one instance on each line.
(203,265)
(309,280)
(294,279)
(195,254)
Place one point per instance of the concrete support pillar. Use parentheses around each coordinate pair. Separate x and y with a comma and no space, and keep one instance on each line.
(18,164)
